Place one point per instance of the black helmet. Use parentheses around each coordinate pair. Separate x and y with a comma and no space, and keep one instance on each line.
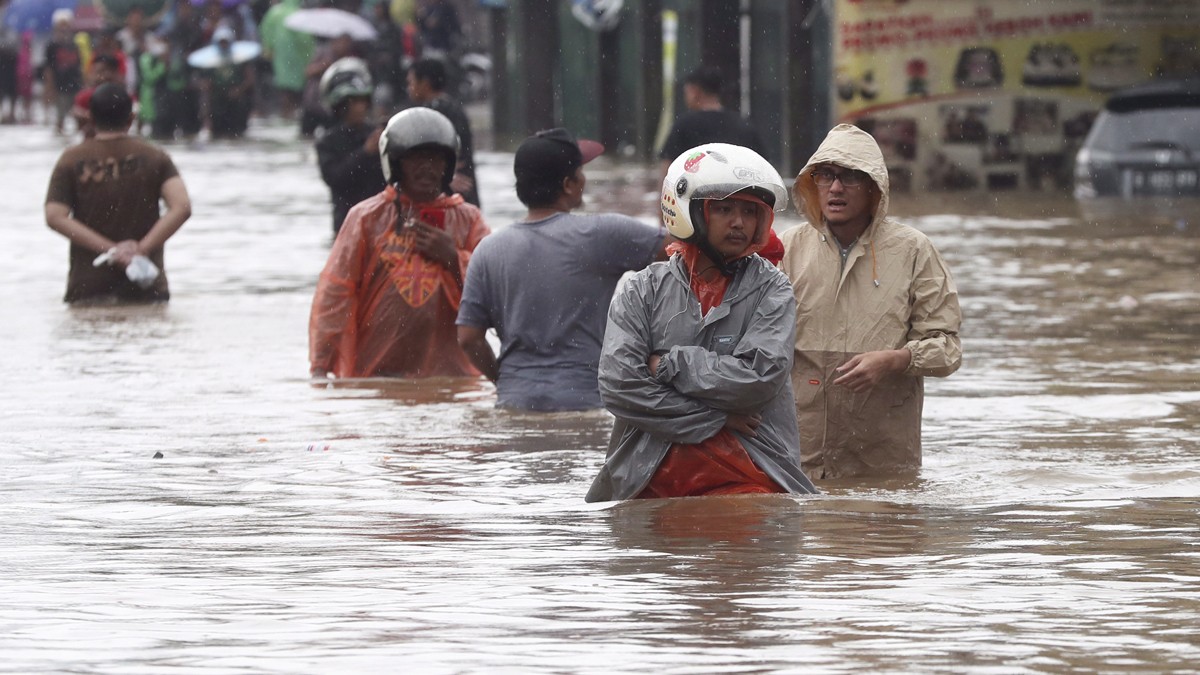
(414,128)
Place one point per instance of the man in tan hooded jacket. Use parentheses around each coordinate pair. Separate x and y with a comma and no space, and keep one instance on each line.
(877,311)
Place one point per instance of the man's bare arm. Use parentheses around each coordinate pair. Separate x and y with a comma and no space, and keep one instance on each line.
(58,217)
(179,209)
(473,341)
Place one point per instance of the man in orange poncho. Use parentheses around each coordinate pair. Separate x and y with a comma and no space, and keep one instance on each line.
(387,299)
(697,356)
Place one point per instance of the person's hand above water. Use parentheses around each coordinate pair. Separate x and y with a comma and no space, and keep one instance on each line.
(863,371)
(123,252)
(436,244)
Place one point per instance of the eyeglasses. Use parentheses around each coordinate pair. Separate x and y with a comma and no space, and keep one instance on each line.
(850,179)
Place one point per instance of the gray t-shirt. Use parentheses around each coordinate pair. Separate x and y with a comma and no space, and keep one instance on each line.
(545,287)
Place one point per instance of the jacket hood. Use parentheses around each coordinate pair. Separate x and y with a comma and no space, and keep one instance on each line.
(847,146)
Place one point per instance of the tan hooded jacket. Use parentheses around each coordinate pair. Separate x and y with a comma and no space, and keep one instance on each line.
(895,292)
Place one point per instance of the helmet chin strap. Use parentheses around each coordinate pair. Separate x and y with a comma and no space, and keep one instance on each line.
(699,239)
(727,268)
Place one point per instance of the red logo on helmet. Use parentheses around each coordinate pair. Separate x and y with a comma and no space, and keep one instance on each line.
(692,162)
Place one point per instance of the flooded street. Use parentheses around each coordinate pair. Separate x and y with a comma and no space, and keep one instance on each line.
(390,525)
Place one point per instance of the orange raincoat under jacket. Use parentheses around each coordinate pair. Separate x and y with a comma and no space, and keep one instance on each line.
(383,309)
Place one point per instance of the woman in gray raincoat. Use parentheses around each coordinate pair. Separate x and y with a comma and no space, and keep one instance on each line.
(877,313)
(697,352)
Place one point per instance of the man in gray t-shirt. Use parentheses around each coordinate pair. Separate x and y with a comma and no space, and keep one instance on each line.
(545,283)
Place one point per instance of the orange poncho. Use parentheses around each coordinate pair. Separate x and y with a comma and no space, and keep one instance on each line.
(383,309)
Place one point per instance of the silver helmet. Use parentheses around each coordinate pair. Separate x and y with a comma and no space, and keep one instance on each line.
(347,77)
(413,128)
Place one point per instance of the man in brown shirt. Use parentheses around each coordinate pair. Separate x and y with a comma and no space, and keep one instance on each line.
(104,197)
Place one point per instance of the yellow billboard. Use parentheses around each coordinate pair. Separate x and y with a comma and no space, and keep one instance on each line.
(966,94)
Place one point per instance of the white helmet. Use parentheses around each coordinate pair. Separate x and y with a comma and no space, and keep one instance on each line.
(346,77)
(716,171)
(412,128)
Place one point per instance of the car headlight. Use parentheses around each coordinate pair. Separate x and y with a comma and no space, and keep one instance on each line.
(1087,162)
(1082,159)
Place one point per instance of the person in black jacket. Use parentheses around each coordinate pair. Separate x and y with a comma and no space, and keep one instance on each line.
(348,153)
(707,119)
(427,81)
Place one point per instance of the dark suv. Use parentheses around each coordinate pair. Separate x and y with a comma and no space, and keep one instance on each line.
(1146,141)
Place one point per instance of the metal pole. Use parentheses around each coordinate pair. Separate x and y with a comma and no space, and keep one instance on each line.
(744,39)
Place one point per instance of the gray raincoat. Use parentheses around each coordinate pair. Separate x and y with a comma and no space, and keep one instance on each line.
(894,293)
(735,359)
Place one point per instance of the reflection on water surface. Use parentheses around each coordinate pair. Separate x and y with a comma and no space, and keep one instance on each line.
(293,528)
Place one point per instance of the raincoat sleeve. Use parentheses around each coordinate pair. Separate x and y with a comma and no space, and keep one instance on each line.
(331,327)
(475,234)
(453,284)
(629,391)
(271,26)
(935,319)
(747,379)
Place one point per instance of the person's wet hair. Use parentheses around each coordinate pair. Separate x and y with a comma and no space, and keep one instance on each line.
(707,78)
(535,193)
(111,107)
(542,162)
(431,71)
(106,60)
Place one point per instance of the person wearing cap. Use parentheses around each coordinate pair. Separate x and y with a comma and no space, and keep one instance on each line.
(427,79)
(104,197)
(879,314)
(386,301)
(62,70)
(697,354)
(348,152)
(544,283)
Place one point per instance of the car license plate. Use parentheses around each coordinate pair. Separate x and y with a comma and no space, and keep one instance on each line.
(1163,181)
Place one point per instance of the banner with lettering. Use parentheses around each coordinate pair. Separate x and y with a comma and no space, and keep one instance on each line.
(997,94)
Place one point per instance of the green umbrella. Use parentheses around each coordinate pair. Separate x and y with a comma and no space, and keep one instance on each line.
(116,10)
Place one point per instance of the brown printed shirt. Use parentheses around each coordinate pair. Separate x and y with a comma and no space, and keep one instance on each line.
(113,186)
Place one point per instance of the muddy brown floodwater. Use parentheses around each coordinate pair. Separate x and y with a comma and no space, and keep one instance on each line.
(409,525)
